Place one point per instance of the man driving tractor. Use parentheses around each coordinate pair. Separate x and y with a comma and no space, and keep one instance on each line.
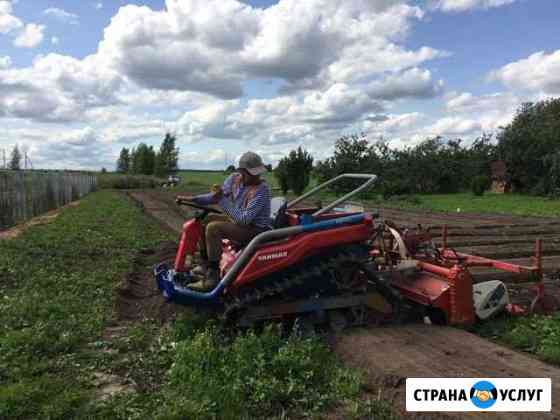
(245,200)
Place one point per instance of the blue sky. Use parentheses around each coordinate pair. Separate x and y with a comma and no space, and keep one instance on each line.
(81,80)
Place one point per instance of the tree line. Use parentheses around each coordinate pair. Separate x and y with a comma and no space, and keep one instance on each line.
(529,146)
(144,160)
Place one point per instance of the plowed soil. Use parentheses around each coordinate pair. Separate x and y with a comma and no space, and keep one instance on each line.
(391,354)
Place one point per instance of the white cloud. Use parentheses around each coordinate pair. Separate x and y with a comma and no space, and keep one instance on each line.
(540,72)
(463,5)
(57,88)
(8,22)
(340,65)
(413,83)
(31,36)
(98,5)
(62,15)
(451,126)
(213,46)
(5,62)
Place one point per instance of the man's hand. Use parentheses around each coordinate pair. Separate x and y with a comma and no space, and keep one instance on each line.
(217,191)
(180,198)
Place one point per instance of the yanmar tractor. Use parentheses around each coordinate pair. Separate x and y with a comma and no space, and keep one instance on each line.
(335,264)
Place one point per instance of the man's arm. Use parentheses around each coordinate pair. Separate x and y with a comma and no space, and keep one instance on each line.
(247,215)
(210,198)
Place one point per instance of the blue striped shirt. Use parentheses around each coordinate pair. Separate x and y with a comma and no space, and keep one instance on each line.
(257,211)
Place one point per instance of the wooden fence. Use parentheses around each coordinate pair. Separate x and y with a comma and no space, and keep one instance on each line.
(24,194)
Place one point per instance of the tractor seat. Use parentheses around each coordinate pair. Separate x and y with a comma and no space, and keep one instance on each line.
(278,218)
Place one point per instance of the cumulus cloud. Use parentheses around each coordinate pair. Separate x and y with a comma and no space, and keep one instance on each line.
(31,36)
(413,83)
(55,40)
(5,62)
(213,46)
(8,22)
(540,72)
(463,5)
(451,126)
(339,64)
(62,15)
(57,88)
(98,5)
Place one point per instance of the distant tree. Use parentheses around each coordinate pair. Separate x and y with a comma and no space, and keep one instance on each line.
(525,143)
(268,167)
(123,163)
(281,175)
(167,158)
(230,169)
(15,159)
(143,159)
(299,167)
(150,161)
(294,171)
(103,170)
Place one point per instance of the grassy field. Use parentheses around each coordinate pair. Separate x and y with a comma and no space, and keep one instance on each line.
(56,306)
(517,204)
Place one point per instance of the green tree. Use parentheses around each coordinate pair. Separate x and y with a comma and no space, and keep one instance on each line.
(15,159)
(143,160)
(299,165)
(524,144)
(167,158)
(352,154)
(281,175)
(123,163)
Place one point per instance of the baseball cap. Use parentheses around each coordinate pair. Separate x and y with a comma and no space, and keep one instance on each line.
(252,163)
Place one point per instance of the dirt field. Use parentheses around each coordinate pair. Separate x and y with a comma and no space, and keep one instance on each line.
(503,237)
(390,355)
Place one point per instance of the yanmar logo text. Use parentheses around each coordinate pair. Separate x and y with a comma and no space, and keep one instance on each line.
(275,256)
(475,394)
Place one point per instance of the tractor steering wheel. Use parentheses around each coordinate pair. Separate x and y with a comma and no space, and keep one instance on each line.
(208,209)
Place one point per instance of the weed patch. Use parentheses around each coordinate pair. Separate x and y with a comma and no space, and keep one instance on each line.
(539,334)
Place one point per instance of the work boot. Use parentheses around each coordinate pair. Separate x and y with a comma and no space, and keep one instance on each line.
(200,270)
(208,283)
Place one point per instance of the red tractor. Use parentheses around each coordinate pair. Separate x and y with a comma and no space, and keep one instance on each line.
(334,264)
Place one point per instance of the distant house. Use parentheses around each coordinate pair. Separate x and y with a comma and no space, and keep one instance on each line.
(499,181)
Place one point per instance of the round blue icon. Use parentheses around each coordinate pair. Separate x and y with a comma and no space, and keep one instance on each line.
(483,394)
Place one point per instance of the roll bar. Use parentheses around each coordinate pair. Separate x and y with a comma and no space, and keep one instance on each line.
(370,180)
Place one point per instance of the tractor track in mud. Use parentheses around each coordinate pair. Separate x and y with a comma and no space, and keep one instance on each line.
(388,355)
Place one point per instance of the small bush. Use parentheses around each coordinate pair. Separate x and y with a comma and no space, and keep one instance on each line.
(479,184)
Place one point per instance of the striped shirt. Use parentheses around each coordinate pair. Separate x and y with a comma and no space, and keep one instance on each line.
(255,211)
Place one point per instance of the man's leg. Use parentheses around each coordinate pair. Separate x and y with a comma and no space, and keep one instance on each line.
(216,231)
(202,245)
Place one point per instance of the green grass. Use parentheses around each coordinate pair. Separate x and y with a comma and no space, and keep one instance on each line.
(56,297)
(516,204)
(56,301)
(539,334)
